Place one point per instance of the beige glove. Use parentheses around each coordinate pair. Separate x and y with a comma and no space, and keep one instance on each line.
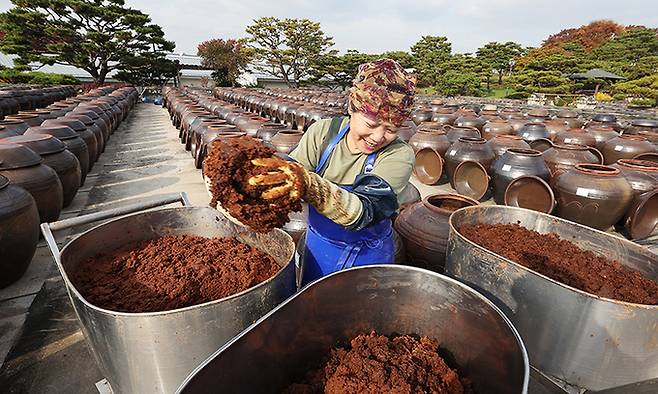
(286,177)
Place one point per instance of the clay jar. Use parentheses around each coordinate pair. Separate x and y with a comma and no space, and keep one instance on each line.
(642,175)
(606,120)
(19,226)
(87,136)
(406,131)
(513,164)
(470,121)
(500,143)
(602,134)
(571,118)
(73,142)
(467,148)
(268,130)
(16,126)
(285,140)
(22,166)
(430,138)
(98,121)
(454,133)
(625,147)
(592,194)
(575,137)
(561,158)
(444,116)
(54,154)
(638,126)
(555,127)
(421,115)
(496,127)
(29,119)
(91,126)
(423,227)
(533,131)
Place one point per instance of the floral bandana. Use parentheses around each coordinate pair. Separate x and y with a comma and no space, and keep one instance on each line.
(383,90)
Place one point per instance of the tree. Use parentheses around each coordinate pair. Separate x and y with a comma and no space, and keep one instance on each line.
(430,53)
(646,87)
(456,83)
(149,70)
(405,59)
(228,58)
(332,69)
(541,81)
(497,57)
(288,48)
(97,36)
(630,46)
(588,36)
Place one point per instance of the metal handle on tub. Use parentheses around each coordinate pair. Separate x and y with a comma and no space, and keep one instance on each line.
(48,228)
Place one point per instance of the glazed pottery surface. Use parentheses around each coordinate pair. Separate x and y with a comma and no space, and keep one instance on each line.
(561,158)
(625,147)
(513,164)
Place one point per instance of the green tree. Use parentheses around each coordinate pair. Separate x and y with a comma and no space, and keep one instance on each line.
(534,81)
(228,58)
(646,87)
(288,48)
(405,59)
(149,70)
(629,47)
(498,57)
(429,54)
(97,36)
(340,70)
(456,83)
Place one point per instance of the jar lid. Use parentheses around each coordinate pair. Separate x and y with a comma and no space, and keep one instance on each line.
(83,118)
(75,124)
(43,144)
(61,132)
(14,156)
(86,112)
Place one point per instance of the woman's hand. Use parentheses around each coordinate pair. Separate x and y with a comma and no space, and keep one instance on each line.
(283,178)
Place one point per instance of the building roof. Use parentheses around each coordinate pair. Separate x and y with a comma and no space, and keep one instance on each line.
(187,61)
(595,73)
(7,60)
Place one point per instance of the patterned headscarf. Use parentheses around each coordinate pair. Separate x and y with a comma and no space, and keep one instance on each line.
(383,90)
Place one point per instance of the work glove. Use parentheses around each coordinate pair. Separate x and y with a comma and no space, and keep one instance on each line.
(284,177)
(219,207)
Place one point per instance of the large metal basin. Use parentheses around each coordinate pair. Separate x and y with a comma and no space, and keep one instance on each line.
(588,341)
(154,352)
(294,337)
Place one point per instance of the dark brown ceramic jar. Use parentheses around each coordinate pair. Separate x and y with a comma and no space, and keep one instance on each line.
(454,133)
(605,120)
(421,115)
(533,131)
(626,147)
(55,155)
(23,168)
(517,122)
(496,127)
(571,118)
(642,175)
(467,148)
(408,196)
(73,142)
(555,127)
(406,131)
(428,138)
(602,134)
(15,126)
(638,126)
(91,126)
(476,122)
(4,133)
(107,121)
(561,158)
(87,136)
(98,121)
(19,226)
(29,119)
(285,140)
(423,227)
(268,130)
(575,137)
(592,194)
(444,117)
(515,163)
(500,143)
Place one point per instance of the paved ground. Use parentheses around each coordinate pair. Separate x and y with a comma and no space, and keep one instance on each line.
(41,347)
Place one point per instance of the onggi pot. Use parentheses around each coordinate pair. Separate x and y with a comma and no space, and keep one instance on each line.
(593,194)
(473,149)
(73,143)
(513,164)
(19,226)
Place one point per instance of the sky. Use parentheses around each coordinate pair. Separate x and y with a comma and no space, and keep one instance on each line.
(375,26)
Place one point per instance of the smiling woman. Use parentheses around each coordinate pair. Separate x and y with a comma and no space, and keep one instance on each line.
(360,166)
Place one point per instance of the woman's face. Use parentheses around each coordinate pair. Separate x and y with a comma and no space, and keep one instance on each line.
(367,135)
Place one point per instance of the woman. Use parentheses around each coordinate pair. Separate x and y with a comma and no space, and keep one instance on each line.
(353,169)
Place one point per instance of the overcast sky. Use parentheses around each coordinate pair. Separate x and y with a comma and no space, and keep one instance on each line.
(375,26)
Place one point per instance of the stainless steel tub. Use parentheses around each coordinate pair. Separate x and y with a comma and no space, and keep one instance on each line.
(154,352)
(294,337)
(588,341)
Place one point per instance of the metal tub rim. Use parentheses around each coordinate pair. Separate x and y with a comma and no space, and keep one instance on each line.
(463,286)
(524,268)
(74,290)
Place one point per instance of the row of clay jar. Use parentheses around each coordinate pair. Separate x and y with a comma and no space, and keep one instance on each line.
(26,98)
(44,161)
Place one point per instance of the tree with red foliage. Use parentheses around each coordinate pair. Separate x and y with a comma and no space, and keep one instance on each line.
(588,36)
(228,58)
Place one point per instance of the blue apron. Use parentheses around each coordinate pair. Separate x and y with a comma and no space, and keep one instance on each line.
(331,247)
